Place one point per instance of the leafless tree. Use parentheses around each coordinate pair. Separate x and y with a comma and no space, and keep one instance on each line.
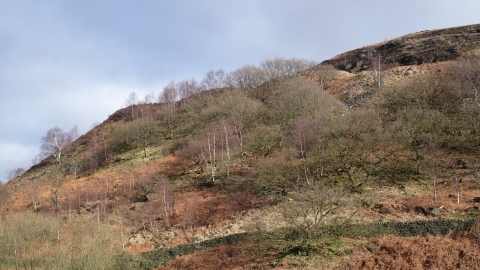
(75,167)
(376,60)
(310,208)
(169,97)
(149,101)
(455,177)
(122,237)
(296,65)
(278,67)
(191,207)
(73,133)
(169,94)
(227,147)
(34,192)
(214,80)
(188,88)
(14,173)
(131,100)
(274,68)
(246,77)
(363,146)
(211,152)
(54,142)
(164,191)
(433,176)
(463,77)
(94,152)
(243,112)
(419,130)
(149,98)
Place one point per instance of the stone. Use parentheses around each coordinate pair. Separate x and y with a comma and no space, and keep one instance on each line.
(435,211)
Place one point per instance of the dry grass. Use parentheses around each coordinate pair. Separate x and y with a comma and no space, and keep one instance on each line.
(409,204)
(40,241)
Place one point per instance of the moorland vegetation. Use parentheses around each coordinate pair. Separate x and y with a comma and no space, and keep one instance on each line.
(281,137)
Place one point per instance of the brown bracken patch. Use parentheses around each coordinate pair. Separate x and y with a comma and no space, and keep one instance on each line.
(458,250)
(241,256)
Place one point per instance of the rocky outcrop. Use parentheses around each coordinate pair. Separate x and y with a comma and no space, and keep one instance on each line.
(414,49)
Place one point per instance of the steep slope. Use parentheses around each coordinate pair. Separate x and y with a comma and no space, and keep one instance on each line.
(394,60)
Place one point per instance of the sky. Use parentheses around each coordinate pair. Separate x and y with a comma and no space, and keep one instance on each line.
(66,63)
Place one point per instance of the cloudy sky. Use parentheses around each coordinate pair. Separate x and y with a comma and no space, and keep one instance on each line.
(73,62)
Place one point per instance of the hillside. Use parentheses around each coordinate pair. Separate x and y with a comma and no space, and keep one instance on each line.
(426,47)
(387,132)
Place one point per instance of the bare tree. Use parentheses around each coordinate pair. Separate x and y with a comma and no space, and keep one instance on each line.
(214,80)
(376,60)
(278,67)
(212,156)
(94,152)
(468,73)
(169,94)
(225,129)
(191,207)
(296,65)
(131,100)
(274,68)
(363,146)
(122,237)
(149,101)
(54,142)
(188,88)
(164,191)
(312,208)
(169,97)
(246,77)
(455,177)
(149,98)
(419,131)
(73,133)
(75,167)
(34,192)
(14,173)
(243,112)
(211,152)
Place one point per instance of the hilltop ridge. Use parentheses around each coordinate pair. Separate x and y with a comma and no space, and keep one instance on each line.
(429,46)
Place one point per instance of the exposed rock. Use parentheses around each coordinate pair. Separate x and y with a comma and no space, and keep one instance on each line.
(434,211)
(414,49)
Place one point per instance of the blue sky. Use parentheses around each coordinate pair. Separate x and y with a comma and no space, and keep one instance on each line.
(66,63)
